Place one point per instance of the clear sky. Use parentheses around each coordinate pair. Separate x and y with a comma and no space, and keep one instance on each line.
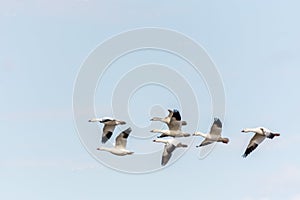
(255,45)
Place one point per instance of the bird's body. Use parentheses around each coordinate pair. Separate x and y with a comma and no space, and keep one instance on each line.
(261,131)
(115,151)
(119,148)
(166,120)
(260,135)
(170,146)
(214,135)
(109,126)
(174,123)
(173,120)
(170,133)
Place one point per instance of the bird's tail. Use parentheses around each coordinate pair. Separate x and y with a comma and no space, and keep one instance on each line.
(272,135)
(186,135)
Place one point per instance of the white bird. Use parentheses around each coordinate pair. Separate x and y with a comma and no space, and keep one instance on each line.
(109,126)
(260,134)
(214,135)
(119,148)
(173,120)
(164,120)
(170,133)
(170,146)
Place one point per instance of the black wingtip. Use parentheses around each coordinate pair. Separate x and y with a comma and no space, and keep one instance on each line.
(105,120)
(104,140)
(106,137)
(127,131)
(272,135)
(250,149)
(218,122)
(177,115)
(162,136)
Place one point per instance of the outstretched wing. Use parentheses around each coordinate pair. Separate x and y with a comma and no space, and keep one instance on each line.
(216,128)
(164,120)
(177,115)
(107,132)
(254,142)
(106,119)
(174,125)
(205,142)
(121,140)
(169,148)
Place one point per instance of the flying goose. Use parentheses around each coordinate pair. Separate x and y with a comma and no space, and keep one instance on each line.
(214,135)
(170,146)
(170,133)
(109,126)
(260,134)
(119,148)
(166,120)
(173,120)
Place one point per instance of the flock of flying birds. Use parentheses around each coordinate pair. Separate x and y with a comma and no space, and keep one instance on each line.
(174,123)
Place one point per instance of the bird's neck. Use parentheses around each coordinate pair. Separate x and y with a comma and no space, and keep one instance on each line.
(255,130)
(104,149)
(160,141)
(201,134)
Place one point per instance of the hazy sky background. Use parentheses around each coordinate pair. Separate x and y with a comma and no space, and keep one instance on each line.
(255,45)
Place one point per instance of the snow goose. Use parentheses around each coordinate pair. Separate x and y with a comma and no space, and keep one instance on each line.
(109,126)
(119,148)
(260,134)
(170,146)
(173,120)
(170,133)
(166,120)
(214,135)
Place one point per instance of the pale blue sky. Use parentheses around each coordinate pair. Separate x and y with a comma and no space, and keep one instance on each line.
(255,45)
